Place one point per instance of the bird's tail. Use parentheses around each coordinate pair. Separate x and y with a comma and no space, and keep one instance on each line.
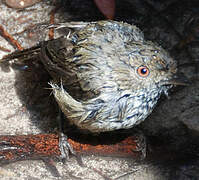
(22,56)
(72,108)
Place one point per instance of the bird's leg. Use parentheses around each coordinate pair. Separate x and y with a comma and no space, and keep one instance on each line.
(141,144)
(64,146)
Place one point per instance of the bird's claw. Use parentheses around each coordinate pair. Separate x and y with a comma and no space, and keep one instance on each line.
(65,147)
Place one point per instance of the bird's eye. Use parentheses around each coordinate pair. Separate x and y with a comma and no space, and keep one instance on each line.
(143,71)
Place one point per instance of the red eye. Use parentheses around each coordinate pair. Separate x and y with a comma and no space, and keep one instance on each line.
(143,71)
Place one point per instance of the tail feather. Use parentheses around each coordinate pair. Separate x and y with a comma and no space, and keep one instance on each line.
(72,108)
(24,55)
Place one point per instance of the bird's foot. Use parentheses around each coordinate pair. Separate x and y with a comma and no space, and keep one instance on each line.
(65,147)
(141,144)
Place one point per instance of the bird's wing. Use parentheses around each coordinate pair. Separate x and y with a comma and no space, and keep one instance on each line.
(87,60)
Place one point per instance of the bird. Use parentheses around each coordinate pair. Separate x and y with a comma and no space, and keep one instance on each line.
(105,75)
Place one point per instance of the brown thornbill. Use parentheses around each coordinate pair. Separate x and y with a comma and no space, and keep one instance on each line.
(105,75)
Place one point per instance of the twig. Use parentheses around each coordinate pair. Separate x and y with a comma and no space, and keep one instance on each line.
(9,37)
(23,147)
(52,21)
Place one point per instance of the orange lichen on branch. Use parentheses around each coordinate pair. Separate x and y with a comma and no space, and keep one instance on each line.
(45,144)
(125,148)
(9,37)
(13,148)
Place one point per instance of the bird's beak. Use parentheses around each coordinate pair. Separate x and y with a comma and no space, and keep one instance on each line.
(178,79)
